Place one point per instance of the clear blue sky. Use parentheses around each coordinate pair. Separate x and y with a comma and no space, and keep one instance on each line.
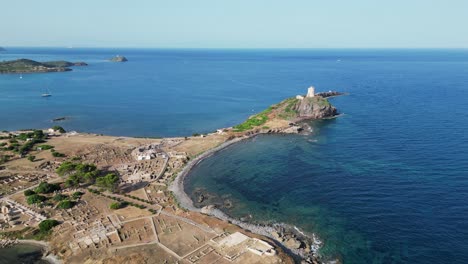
(235,23)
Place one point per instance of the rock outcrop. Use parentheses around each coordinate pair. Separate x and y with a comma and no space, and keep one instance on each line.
(329,94)
(118,58)
(314,108)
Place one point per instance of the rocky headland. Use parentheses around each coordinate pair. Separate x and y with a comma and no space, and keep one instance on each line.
(31,66)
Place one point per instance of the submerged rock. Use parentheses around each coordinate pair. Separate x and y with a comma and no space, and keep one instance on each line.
(201,198)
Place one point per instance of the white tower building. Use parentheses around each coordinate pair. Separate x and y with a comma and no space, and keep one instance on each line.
(311,92)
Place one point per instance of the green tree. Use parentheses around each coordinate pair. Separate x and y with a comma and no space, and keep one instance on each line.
(45,187)
(72,181)
(109,181)
(47,225)
(35,198)
(65,204)
(65,168)
(29,192)
(39,134)
(31,158)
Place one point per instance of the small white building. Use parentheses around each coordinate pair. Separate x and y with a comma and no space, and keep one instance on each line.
(300,97)
(144,157)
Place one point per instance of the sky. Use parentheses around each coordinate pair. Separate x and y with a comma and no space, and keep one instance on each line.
(235,23)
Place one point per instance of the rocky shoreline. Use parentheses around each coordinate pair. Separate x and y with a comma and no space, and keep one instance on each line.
(302,246)
(43,245)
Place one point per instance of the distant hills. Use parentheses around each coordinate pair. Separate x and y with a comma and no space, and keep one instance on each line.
(31,66)
(2,49)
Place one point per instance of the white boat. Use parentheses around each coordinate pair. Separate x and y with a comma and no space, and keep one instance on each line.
(46,94)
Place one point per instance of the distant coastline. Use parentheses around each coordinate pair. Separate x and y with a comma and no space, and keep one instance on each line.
(31,66)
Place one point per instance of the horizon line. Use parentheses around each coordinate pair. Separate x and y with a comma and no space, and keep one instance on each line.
(241,48)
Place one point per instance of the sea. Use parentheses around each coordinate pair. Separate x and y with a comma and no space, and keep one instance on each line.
(22,254)
(385,182)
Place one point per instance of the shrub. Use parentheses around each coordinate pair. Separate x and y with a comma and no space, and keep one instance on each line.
(57,154)
(59,129)
(45,147)
(47,225)
(59,197)
(77,195)
(4,158)
(29,192)
(115,206)
(31,158)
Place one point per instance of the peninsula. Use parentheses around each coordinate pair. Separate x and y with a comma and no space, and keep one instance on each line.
(31,66)
(105,199)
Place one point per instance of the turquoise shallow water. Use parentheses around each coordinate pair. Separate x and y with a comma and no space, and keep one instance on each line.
(384,183)
(21,253)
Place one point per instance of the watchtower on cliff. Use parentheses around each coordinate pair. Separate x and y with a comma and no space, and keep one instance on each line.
(311,92)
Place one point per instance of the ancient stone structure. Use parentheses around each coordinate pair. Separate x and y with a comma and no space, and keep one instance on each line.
(311,92)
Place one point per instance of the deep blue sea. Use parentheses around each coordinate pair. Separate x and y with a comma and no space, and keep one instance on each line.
(387,182)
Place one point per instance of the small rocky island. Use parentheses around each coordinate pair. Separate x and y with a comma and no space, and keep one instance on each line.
(2,49)
(118,58)
(31,66)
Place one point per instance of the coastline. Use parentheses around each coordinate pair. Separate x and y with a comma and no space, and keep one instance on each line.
(45,246)
(278,232)
(177,185)
(298,245)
